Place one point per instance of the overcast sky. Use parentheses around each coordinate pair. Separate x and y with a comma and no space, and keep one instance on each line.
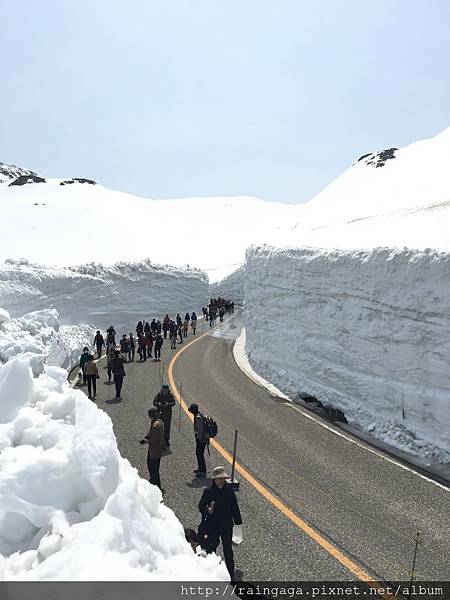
(177,98)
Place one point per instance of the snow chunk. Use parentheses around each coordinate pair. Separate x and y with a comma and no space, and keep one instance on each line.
(71,508)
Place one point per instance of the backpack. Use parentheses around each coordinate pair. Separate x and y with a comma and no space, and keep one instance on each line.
(210,426)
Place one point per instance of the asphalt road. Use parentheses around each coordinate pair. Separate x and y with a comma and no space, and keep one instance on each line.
(366,508)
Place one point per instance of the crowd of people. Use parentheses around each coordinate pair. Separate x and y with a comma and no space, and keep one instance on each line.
(218,505)
(217,307)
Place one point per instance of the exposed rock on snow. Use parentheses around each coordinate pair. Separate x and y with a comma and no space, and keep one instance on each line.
(71,508)
(24,179)
(78,180)
(378,159)
(12,172)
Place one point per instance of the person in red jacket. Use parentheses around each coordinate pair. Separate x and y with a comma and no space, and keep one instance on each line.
(149,343)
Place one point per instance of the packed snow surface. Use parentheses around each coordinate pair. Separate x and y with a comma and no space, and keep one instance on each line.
(71,508)
(41,335)
(365,332)
(96,295)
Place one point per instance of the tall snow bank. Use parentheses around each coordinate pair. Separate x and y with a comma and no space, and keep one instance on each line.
(71,508)
(365,332)
(40,333)
(120,294)
(231,287)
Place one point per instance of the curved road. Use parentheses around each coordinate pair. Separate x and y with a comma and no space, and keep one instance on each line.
(315,506)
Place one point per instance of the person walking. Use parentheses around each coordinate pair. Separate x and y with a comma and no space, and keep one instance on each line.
(158,345)
(201,440)
(193,322)
(166,325)
(173,334)
(99,342)
(149,343)
(164,402)
(180,332)
(83,360)
(219,506)
(142,348)
(132,343)
(156,446)
(118,373)
(125,347)
(111,334)
(158,326)
(91,376)
(109,359)
(139,328)
(185,327)
(153,326)
(186,317)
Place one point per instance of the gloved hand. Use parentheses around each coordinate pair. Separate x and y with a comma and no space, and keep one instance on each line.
(142,442)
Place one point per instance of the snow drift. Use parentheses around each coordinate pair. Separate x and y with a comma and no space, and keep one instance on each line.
(71,508)
(98,295)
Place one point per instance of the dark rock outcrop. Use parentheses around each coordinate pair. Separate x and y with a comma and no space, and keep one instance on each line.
(378,159)
(24,179)
(78,180)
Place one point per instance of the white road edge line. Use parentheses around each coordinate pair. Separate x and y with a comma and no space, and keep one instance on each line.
(241,358)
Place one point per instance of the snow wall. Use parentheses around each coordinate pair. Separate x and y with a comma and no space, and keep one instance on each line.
(97,295)
(231,287)
(366,332)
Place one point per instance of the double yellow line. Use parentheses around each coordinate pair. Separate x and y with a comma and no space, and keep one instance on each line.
(276,502)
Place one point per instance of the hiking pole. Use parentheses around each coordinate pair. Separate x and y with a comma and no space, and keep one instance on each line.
(234,482)
(179,411)
(413,574)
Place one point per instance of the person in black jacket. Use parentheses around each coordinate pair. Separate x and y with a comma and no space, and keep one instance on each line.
(118,372)
(99,342)
(164,402)
(219,507)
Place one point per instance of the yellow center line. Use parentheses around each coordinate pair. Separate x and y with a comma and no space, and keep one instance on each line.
(276,502)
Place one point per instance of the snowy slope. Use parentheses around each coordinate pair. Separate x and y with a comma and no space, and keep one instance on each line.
(50,224)
(71,508)
(395,199)
(358,289)
(97,295)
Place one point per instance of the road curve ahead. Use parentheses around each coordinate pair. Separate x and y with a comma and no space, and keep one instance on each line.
(315,505)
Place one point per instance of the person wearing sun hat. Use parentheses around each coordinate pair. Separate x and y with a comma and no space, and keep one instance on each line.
(218,505)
